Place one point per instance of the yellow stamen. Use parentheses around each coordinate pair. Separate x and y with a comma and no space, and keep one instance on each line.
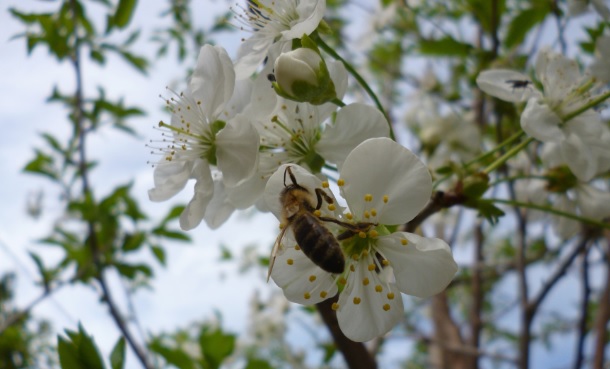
(340,182)
(312,278)
(356,300)
(368,197)
(365,281)
(289,261)
(335,306)
(386,307)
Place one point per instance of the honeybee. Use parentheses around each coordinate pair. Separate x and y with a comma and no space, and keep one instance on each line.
(317,242)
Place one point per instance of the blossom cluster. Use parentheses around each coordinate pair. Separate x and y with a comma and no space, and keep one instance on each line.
(241,126)
(271,130)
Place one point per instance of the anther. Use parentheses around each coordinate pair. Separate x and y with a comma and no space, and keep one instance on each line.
(404,242)
(352,268)
(335,306)
(306,295)
(349,216)
(386,307)
(371,266)
(374,212)
(365,281)
(312,278)
(385,262)
(325,184)
(368,197)
(355,256)
(378,288)
(386,198)
(342,281)
(373,233)
(297,247)
(340,182)
(331,207)
(323,294)
(390,295)
(362,234)
(356,300)
(367,214)
(289,261)
(317,212)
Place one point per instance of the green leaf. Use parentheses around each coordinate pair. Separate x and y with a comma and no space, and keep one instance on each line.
(117,357)
(42,164)
(446,46)
(216,346)
(174,235)
(133,242)
(68,355)
(159,254)
(523,22)
(123,13)
(88,351)
(254,363)
(175,357)
(130,271)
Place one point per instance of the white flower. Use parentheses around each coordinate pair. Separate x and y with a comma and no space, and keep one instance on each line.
(300,133)
(274,24)
(600,68)
(576,7)
(548,116)
(203,135)
(584,200)
(443,137)
(384,184)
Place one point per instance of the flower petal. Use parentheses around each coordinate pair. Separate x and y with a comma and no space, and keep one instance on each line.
(354,124)
(565,227)
(370,305)
(540,122)
(251,54)
(593,202)
(301,280)
(220,208)
(505,84)
(423,266)
(213,80)
(310,14)
(237,151)
(204,189)
(398,181)
(170,177)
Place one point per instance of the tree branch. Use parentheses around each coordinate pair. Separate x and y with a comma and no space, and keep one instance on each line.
(355,353)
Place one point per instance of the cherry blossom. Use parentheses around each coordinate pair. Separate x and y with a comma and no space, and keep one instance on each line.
(384,185)
(204,139)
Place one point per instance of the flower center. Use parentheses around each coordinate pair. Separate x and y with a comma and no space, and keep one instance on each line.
(190,135)
(259,16)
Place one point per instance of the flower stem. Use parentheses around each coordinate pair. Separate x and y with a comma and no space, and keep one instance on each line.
(338,102)
(586,107)
(552,211)
(495,149)
(324,46)
(509,154)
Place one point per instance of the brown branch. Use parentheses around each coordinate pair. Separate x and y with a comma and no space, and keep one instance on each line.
(476,323)
(448,332)
(584,312)
(439,200)
(602,317)
(355,353)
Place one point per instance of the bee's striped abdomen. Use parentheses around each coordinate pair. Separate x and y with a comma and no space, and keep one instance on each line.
(318,243)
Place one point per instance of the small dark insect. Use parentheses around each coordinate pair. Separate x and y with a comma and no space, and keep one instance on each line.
(519,83)
(271,77)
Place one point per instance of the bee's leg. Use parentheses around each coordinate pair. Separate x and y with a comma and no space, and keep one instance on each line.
(292,177)
(321,194)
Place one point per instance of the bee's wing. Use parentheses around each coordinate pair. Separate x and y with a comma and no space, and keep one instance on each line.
(276,247)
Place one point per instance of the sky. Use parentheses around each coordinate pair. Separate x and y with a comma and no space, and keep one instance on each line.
(196,283)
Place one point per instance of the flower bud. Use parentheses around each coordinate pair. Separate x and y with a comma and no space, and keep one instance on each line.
(301,75)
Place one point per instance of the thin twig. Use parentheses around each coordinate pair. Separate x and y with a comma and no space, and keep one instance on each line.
(81,133)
